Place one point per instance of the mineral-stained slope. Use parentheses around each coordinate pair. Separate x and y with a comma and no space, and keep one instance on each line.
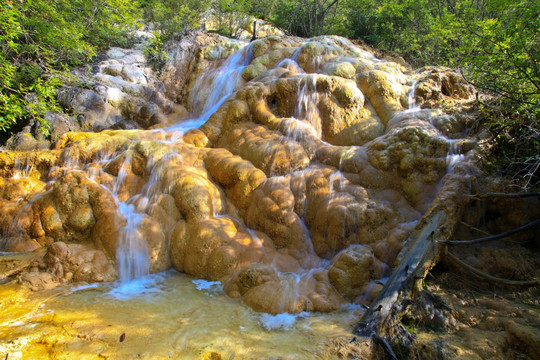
(295,180)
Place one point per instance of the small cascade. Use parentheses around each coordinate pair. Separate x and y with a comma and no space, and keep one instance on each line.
(256,239)
(20,170)
(291,65)
(336,181)
(306,107)
(298,131)
(311,260)
(222,82)
(454,156)
(412,97)
(293,61)
(132,252)
(225,78)
(154,187)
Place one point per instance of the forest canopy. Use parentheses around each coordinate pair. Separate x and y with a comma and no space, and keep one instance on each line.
(495,44)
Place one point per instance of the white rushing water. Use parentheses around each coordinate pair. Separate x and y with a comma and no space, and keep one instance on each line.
(412,96)
(223,81)
(195,314)
(132,252)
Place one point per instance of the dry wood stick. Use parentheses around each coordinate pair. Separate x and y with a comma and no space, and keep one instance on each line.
(493,237)
(490,277)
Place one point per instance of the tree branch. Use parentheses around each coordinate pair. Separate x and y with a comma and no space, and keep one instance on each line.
(490,277)
(493,237)
(509,195)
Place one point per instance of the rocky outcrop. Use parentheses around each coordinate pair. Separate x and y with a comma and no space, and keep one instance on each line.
(312,166)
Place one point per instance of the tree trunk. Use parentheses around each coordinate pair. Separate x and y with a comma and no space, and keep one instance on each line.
(424,247)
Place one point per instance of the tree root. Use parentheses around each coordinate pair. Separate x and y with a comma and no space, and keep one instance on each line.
(508,195)
(490,277)
(493,237)
(422,253)
(474,228)
(385,345)
(424,247)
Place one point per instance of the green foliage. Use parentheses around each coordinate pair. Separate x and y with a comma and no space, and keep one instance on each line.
(262,9)
(106,22)
(232,16)
(40,40)
(308,17)
(172,18)
(515,140)
(494,43)
(155,53)
(420,30)
(502,54)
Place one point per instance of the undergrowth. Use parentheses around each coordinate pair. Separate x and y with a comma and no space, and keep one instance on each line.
(514,145)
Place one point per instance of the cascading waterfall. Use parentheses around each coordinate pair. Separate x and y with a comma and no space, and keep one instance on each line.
(412,97)
(132,251)
(306,107)
(323,189)
(453,156)
(296,198)
(222,82)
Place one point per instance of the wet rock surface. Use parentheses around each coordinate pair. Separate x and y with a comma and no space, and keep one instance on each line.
(294,176)
(291,171)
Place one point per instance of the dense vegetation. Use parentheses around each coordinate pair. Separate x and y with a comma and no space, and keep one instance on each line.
(40,40)
(494,43)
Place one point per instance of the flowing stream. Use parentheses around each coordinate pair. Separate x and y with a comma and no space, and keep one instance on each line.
(171,315)
(168,315)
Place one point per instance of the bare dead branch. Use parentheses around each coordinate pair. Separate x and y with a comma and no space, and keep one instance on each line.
(490,277)
(474,228)
(493,237)
(509,195)
(385,345)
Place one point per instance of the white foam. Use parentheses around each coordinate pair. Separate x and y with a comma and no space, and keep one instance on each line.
(140,287)
(283,321)
(211,287)
(86,287)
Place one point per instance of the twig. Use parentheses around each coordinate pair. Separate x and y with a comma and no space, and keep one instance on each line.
(493,237)
(509,195)
(474,228)
(490,277)
(385,345)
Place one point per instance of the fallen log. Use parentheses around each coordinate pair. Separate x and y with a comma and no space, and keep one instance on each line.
(422,252)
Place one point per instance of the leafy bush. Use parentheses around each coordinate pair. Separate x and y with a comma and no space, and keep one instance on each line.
(495,44)
(155,53)
(172,18)
(308,17)
(40,40)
